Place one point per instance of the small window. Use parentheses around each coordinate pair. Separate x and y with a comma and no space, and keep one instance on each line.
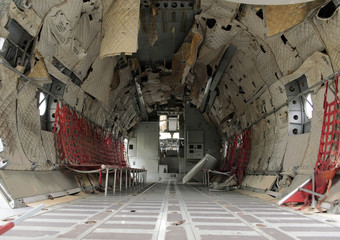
(2,145)
(2,43)
(300,106)
(309,106)
(42,103)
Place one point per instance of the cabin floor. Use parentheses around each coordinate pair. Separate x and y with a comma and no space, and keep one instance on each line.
(173,211)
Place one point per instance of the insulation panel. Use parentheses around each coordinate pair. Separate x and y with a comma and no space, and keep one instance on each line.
(120,28)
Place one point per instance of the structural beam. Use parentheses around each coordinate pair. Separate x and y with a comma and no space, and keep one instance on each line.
(226,59)
(210,91)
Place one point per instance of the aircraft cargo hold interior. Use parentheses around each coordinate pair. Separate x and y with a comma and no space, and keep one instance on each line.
(157,119)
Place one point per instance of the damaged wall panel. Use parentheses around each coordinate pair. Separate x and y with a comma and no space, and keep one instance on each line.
(98,83)
(294,47)
(88,33)
(253,19)
(221,11)
(28,19)
(265,62)
(278,93)
(269,138)
(70,93)
(257,146)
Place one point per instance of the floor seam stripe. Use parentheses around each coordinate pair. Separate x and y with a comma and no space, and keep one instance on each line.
(192,234)
(162,221)
(96,225)
(239,218)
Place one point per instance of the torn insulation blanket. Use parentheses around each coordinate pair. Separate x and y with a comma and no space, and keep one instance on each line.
(98,83)
(282,17)
(220,11)
(39,71)
(120,28)
(184,59)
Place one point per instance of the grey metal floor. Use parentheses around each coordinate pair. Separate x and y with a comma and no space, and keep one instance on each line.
(171,211)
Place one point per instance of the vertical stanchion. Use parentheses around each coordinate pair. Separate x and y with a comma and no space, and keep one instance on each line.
(138,179)
(143,175)
(133,178)
(114,181)
(313,189)
(208,180)
(204,177)
(106,181)
(120,179)
(130,179)
(126,178)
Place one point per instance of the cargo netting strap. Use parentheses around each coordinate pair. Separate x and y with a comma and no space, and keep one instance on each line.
(81,143)
(328,156)
(238,154)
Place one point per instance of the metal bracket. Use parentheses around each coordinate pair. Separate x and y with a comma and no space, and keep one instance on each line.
(3,164)
(311,192)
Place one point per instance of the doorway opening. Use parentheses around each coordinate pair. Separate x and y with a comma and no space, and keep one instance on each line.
(169,142)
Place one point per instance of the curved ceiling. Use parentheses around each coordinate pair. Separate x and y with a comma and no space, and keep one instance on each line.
(117,74)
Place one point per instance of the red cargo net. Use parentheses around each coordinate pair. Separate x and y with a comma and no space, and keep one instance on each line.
(328,157)
(84,144)
(238,152)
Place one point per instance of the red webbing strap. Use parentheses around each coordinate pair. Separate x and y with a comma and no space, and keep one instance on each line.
(230,156)
(100,178)
(81,143)
(243,155)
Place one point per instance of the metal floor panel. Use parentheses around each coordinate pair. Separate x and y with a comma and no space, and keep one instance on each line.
(172,211)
